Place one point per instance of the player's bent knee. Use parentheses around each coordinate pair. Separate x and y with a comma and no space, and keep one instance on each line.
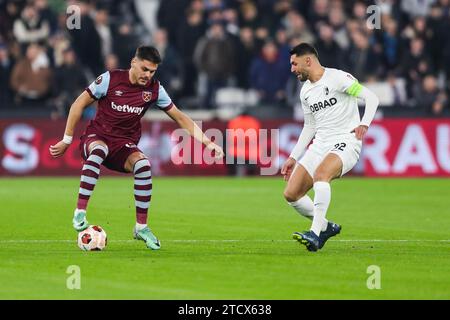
(139,157)
(322,176)
(143,160)
(98,145)
(142,166)
(291,196)
(136,156)
(103,148)
(133,159)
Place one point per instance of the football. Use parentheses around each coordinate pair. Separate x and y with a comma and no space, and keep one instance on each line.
(92,239)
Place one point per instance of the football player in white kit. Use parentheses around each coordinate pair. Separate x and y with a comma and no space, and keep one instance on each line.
(329,101)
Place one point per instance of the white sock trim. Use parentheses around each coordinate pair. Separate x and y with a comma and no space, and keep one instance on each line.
(96,159)
(78,211)
(101,147)
(140,226)
(140,164)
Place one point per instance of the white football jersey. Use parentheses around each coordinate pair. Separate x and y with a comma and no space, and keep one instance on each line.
(334,110)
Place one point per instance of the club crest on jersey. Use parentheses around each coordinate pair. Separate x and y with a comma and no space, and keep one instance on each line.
(147,96)
(99,80)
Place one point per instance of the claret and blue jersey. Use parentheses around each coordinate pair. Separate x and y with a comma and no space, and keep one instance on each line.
(121,104)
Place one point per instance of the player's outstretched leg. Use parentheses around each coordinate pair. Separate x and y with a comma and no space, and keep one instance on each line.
(142,196)
(89,176)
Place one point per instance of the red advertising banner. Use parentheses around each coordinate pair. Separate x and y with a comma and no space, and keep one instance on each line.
(392,147)
(24,149)
(407,147)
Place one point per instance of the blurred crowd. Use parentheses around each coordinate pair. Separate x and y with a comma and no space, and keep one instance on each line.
(51,50)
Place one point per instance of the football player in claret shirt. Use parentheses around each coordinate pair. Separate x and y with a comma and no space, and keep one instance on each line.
(111,138)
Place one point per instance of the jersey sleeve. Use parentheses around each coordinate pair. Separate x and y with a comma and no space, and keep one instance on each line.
(99,87)
(346,83)
(164,102)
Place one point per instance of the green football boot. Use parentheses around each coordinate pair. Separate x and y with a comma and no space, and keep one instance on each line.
(79,220)
(146,235)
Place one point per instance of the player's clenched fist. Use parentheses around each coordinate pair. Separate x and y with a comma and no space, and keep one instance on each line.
(287,168)
(58,149)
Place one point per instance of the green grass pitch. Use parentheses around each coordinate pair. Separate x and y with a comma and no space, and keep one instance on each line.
(226,238)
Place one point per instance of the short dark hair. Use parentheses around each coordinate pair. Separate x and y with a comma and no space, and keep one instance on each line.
(148,53)
(304,48)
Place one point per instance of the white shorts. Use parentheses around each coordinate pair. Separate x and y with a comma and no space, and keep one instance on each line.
(347,148)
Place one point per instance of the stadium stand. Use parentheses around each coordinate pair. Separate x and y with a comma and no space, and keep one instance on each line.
(214,51)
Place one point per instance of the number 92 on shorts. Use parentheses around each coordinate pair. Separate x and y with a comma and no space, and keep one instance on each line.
(348,149)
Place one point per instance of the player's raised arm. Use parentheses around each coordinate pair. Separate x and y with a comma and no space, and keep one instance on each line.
(188,124)
(75,113)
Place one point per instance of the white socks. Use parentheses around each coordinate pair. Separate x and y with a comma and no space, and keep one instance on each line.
(322,198)
(139,226)
(78,211)
(304,206)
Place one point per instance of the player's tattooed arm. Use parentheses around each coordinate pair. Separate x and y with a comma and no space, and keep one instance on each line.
(188,124)
(75,113)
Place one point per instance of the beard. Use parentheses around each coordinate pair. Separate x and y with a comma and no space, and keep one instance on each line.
(303,76)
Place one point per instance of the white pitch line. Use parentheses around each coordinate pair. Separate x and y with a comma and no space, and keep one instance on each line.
(224,240)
